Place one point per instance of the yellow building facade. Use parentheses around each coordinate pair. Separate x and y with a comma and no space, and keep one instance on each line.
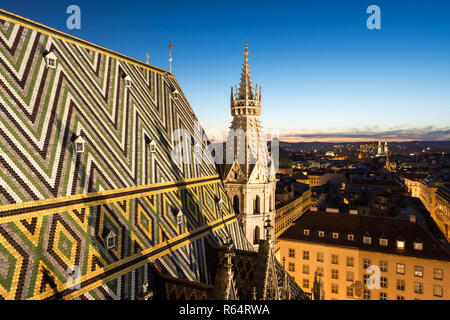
(401,278)
(340,247)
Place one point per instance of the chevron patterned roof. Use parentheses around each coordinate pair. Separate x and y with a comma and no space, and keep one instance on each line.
(58,204)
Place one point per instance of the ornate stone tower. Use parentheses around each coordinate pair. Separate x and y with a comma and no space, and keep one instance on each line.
(248,175)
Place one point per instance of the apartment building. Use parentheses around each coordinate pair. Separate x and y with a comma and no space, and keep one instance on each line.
(347,249)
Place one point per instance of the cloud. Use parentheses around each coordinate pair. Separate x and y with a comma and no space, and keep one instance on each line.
(394,134)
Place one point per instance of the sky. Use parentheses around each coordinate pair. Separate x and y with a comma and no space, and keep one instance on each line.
(324,75)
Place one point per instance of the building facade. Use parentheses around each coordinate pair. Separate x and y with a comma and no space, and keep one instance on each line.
(442,211)
(340,248)
(248,175)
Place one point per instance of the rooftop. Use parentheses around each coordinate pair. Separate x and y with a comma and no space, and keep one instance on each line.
(360,226)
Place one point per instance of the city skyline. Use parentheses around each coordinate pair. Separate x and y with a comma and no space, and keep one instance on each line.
(324,75)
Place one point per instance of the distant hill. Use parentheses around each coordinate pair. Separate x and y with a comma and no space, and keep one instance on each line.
(410,146)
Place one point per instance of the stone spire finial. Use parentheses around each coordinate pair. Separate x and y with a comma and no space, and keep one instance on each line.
(246,88)
(268,226)
(254,293)
(229,254)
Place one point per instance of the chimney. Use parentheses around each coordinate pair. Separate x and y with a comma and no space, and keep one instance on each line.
(412,218)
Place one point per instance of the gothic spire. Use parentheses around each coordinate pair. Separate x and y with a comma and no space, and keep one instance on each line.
(246,88)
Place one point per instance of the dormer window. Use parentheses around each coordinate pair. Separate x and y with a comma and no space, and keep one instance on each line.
(127,80)
(383,241)
(50,60)
(350,237)
(367,240)
(175,93)
(321,234)
(110,240)
(418,245)
(79,145)
(152,146)
(221,204)
(197,148)
(306,232)
(400,244)
(180,217)
(335,235)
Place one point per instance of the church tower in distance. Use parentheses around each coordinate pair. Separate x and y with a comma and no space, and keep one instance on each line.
(248,173)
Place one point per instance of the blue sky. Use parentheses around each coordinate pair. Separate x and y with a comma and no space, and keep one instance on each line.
(324,74)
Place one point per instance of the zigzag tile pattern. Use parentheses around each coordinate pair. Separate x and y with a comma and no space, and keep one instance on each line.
(45,225)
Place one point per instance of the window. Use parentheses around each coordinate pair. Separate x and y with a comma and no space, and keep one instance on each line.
(400,285)
(418,271)
(335,235)
(350,276)
(50,60)
(79,147)
(306,232)
(291,267)
(383,242)
(383,266)
(152,146)
(320,271)
(437,291)
(418,246)
(179,217)
(349,291)
(79,144)
(334,288)
(438,274)
(350,237)
(319,256)
(305,283)
(321,234)
(51,63)
(367,263)
(400,298)
(127,81)
(305,255)
(418,287)
(365,277)
(334,274)
(383,296)
(400,268)
(111,240)
(367,240)
(383,282)
(305,269)
(366,294)
(334,259)
(350,262)
(400,244)
(291,253)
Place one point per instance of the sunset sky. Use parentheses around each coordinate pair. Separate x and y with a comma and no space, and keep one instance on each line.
(325,76)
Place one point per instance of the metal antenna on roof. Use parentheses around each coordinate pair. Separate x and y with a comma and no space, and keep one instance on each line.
(147,56)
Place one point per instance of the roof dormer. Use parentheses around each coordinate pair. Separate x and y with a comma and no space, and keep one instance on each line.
(79,144)
(127,80)
(50,60)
